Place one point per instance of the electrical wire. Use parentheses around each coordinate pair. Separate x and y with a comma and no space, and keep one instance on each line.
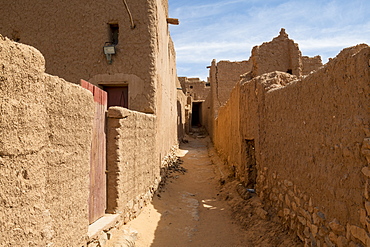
(130,15)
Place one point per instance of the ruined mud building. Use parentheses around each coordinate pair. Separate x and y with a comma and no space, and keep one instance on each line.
(196,92)
(297,132)
(68,169)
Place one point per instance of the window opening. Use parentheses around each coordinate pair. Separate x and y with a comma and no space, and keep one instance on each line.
(114,31)
(117,95)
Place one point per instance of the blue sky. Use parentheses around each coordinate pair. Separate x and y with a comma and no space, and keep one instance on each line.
(228,29)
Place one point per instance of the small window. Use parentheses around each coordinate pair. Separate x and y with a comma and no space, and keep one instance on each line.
(114,31)
(117,95)
(191,87)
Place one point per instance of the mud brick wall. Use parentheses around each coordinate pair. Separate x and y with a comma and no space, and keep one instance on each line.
(310,64)
(311,142)
(311,137)
(281,54)
(133,163)
(45,137)
(227,132)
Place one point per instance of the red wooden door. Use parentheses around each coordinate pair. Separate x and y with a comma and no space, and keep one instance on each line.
(97,197)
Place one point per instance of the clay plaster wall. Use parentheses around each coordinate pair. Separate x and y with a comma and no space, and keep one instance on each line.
(311,145)
(45,138)
(229,145)
(134,172)
(195,88)
(310,64)
(223,76)
(282,54)
(182,115)
(72,40)
(165,78)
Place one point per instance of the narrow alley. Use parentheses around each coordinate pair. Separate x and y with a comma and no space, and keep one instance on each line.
(194,209)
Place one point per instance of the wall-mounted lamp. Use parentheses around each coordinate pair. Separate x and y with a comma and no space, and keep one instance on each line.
(109,50)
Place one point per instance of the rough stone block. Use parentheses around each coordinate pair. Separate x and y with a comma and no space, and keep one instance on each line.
(360,234)
(367,206)
(341,241)
(302,220)
(288,183)
(336,227)
(366,171)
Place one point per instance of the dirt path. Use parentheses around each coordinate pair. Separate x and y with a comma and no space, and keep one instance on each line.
(194,210)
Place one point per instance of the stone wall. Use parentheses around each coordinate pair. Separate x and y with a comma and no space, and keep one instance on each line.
(134,172)
(310,140)
(45,138)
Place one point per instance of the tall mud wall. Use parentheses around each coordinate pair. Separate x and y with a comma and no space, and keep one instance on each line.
(223,76)
(167,82)
(310,138)
(134,170)
(281,54)
(72,40)
(45,138)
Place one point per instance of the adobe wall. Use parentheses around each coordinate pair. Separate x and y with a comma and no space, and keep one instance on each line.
(183,109)
(166,81)
(195,88)
(280,54)
(134,172)
(229,145)
(311,144)
(223,76)
(319,129)
(45,138)
(72,40)
(227,76)
(310,64)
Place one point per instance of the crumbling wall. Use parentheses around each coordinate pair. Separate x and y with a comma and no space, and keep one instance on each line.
(311,140)
(280,54)
(45,130)
(132,161)
(195,88)
(228,75)
(223,76)
(310,64)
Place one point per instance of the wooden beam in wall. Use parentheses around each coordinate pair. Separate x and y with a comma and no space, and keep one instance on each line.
(173,21)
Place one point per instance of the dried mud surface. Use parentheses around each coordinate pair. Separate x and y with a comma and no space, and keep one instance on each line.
(200,205)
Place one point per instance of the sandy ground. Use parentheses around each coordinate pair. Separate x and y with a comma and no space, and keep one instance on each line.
(194,209)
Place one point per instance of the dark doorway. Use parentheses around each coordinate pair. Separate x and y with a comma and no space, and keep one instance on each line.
(117,95)
(250,167)
(196,114)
